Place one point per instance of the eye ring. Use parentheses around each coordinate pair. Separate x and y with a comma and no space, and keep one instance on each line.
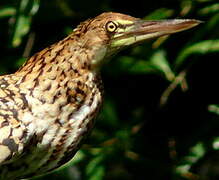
(111,26)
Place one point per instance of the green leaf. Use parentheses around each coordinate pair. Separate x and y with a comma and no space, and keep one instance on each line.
(23,19)
(186,7)
(215,143)
(203,47)
(141,67)
(212,23)
(159,61)
(98,174)
(195,154)
(94,169)
(157,64)
(7,12)
(22,28)
(213,8)
(214,108)
(135,66)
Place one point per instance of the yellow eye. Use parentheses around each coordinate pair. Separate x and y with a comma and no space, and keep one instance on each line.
(111,26)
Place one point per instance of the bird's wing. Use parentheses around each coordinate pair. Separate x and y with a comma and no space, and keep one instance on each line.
(12,131)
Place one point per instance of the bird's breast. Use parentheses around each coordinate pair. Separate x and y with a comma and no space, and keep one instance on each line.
(57,120)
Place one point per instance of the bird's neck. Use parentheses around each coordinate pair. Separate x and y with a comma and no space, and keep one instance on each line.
(65,59)
(55,69)
(66,55)
(58,81)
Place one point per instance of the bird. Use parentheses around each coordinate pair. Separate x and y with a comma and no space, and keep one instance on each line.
(49,104)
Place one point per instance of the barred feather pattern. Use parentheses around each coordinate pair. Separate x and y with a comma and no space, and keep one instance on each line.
(46,108)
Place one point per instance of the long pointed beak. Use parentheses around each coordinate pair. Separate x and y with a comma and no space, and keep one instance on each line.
(162,27)
(142,30)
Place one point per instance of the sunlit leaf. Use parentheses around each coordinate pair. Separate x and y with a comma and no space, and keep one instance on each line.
(23,18)
(195,154)
(213,8)
(216,143)
(94,169)
(98,174)
(22,28)
(7,12)
(202,47)
(159,61)
(214,108)
(186,7)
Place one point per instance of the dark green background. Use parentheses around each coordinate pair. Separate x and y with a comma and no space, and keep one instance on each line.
(160,115)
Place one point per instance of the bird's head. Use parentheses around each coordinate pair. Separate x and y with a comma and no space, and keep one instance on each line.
(110,32)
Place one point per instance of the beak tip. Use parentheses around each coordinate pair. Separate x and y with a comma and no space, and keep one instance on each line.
(196,22)
(189,21)
(183,24)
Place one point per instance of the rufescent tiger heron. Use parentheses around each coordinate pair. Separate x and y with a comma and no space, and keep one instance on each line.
(49,104)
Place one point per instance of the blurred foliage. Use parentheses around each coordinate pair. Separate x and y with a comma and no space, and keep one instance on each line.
(160,118)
